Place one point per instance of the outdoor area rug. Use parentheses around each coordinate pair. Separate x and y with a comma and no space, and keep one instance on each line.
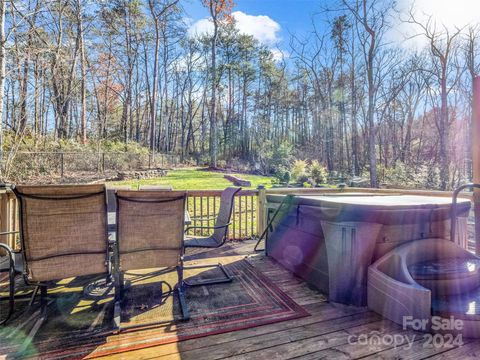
(78,327)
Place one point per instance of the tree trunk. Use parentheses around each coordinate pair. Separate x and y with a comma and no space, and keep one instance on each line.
(213,111)
(2,80)
(83,89)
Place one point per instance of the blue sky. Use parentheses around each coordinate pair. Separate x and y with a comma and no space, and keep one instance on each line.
(291,15)
(271,21)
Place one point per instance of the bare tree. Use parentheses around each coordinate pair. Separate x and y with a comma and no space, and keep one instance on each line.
(442,45)
(371,16)
(219,11)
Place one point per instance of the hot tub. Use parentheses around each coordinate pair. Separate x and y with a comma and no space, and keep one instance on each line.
(330,240)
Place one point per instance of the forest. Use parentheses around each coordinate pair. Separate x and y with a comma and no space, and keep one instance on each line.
(93,72)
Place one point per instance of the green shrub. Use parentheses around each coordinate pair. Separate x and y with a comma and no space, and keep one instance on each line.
(282,175)
(221,164)
(401,175)
(318,172)
(281,158)
(299,170)
(432,179)
(302,179)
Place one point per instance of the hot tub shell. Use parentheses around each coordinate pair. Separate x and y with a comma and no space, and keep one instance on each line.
(396,295)
(330,241)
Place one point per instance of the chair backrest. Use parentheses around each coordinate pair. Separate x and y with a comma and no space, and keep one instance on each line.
(165,187)
(227,200)
(63,230)
(150,227)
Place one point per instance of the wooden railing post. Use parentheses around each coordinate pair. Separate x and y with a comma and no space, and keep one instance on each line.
(13,224)
(4,217)
(261,209)
(8,218)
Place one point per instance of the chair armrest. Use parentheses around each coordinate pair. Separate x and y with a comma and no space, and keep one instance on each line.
(11,257)
(207,227)
(9,232)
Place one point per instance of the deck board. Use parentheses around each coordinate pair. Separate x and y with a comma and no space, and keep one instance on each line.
(326,334)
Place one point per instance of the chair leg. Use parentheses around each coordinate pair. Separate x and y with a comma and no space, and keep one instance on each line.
(227,278)
(119,286)
(116,315)
(11,296)
(118,299)
(43,300)
(34,295)
(181,294)
(38,323)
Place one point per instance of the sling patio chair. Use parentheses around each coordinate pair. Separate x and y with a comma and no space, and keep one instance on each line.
(63,234)
(216,239)
(149,236)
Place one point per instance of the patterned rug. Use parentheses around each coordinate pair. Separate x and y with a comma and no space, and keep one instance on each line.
(78,327)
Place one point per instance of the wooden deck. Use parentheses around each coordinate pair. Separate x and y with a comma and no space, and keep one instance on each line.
(327,334)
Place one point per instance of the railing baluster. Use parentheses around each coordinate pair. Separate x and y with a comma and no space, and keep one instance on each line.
(239,218)
(208,210)
(215,208)
(201,215)
(234,223)
(189,198)
(17,227)
(240,222)
(194,212)
(242,217)
(252,215)
(9,217)
(203,206)
(245,207)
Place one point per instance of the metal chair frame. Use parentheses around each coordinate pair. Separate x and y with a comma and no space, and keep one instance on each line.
(226,276)
(11,275)
(43,286)
(119,274)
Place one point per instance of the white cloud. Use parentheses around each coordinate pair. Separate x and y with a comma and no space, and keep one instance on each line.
(261,27)
(442,13)
(458,13)
(279,55)
(200,27)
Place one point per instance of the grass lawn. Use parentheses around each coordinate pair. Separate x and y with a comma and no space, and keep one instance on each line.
(197,179)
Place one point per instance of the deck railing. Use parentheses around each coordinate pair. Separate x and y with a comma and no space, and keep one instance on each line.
(9,219)
(203,206)
(249,212)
